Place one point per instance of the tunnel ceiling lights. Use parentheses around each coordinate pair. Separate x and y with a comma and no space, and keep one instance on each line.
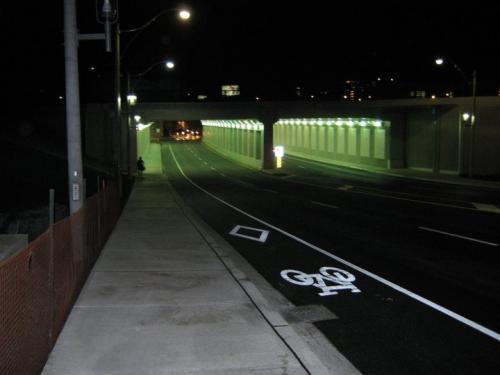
(337,121)
(363,122)
(235,124)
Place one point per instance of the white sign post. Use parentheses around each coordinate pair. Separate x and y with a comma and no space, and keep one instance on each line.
(279,152)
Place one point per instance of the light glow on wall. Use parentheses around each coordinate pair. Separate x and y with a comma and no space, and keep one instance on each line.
(337,121)
(141,126)
(248,124)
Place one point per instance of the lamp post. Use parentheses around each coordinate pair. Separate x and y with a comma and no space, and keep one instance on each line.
(131,102)
(470,120)
(122,134)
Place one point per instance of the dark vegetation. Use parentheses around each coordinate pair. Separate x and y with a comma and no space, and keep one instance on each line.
(29,169)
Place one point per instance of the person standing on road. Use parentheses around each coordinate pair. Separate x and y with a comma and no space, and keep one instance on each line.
(140,166)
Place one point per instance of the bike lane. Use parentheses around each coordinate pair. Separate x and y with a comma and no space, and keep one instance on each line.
(381,328)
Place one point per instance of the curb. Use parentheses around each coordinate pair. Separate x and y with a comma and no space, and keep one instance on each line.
(311,348)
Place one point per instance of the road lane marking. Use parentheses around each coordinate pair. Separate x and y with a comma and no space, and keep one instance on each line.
(486,207)
(390,284)
(323,204)
(345,187)
(262,236)
(458,236)
(269,191)
(341,279)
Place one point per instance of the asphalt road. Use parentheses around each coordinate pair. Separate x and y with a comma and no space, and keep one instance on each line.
(410,268)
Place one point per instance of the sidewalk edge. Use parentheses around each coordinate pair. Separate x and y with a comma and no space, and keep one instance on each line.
(310,346)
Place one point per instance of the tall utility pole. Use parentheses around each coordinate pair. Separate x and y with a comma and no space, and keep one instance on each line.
(470,172)
(117,134)
(73,126)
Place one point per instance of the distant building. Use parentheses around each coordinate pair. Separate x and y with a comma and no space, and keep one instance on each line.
(354,90)
(418,94)
(230,90)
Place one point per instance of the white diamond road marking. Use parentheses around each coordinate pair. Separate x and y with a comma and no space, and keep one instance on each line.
(262,236)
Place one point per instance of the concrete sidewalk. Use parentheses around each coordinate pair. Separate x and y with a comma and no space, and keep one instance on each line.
(164,298)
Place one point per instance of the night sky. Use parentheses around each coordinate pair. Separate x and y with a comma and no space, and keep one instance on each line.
(267,47)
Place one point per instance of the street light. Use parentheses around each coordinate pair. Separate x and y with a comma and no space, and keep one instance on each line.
(132,101)
(120,158)
(131,95)
(183,15)
(469,119)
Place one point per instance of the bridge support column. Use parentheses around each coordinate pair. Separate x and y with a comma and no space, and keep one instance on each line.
(396,157)
(268,118)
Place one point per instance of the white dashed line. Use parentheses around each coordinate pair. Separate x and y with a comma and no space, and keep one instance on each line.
(458,236)
(269,191)
(346,187)
(486,207)
(323,204)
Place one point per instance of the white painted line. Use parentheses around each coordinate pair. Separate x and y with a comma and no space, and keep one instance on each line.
(269,191)
(459,236)
(262,237)
(380,279)
(486,207)
(345,187)
(323,204)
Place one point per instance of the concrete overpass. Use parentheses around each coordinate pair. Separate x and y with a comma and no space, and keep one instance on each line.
(424,134)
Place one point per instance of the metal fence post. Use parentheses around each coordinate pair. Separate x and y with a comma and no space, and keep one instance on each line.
(99,240)
(51,268)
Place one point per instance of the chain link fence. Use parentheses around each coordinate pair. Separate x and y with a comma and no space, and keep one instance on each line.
(40,284)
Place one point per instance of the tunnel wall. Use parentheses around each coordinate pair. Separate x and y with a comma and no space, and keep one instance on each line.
(347,141)
(240,142)
(143,141)
(485,138)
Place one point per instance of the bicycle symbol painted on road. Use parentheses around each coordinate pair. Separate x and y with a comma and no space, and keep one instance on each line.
(341,279)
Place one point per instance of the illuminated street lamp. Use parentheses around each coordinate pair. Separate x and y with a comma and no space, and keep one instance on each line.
(183,15)
(131,102)
(469,119)
(131,99)
(131,96)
